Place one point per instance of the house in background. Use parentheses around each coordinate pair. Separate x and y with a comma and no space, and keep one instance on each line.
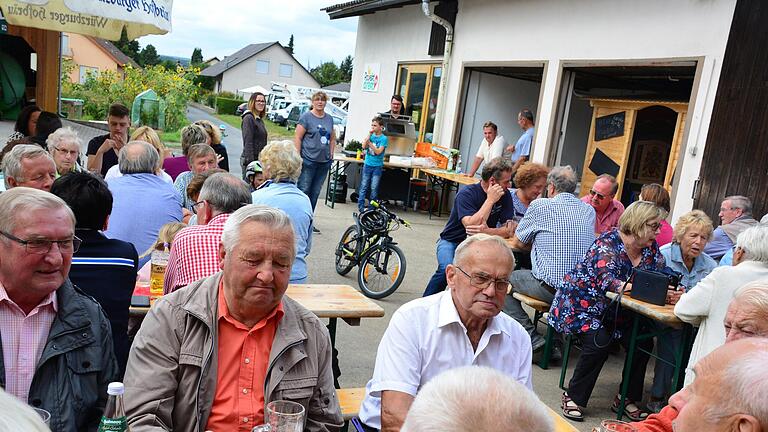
(619,86)
(94,55)
(258,64)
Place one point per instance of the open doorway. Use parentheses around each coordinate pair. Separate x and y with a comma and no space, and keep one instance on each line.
(495,94)
(649,151)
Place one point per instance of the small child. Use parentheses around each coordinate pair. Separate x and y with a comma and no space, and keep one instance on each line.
(373,146)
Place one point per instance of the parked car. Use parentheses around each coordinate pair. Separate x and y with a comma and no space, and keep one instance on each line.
(281,116)
(241,108)
(339,124)
(295,115)
(278,107)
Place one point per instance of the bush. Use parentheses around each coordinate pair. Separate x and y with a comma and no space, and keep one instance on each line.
(210,100)
(226,105)
(175,86)
(230,95)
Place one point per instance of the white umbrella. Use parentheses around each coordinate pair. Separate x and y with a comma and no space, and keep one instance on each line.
(101,18)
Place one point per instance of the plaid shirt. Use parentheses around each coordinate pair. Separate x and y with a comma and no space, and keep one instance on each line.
(23,338)
(194,254)
(561,229)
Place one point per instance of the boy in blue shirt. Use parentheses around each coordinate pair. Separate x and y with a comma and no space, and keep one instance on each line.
(373,146)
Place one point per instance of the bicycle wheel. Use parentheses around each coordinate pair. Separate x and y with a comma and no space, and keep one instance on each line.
(381,271)
(346,250)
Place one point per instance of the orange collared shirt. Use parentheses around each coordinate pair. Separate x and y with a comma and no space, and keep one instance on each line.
(243,358)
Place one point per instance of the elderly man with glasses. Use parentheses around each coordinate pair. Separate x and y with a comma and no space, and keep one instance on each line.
(608,210)
(458,327)
(56,341)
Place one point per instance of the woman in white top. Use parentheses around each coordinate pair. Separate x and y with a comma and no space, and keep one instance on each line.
(706,303)
(146,134)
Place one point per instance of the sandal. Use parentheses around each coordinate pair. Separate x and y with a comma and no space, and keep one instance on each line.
(631,410)
(570,409)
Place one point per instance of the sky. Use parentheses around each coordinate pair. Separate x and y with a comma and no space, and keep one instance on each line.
(221,27)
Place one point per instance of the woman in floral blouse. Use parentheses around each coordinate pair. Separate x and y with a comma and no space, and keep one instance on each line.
(580,306)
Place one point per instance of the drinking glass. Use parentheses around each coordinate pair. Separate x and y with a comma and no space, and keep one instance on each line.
(615,426)
(45,416)
(282,416)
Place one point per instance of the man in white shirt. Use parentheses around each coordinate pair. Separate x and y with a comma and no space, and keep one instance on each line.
(492,146)
(458,327)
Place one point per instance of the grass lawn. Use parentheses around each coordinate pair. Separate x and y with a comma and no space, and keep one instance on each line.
(171,139)
(273,131)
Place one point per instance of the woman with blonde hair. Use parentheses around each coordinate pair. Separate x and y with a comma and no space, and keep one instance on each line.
(282,166)
(148,135)
(581,307)
(254,131)
(315,142)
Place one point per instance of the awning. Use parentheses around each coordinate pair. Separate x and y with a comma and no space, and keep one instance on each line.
(100,18)
(254,89)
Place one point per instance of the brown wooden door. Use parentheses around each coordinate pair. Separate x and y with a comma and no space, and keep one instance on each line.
(612,150)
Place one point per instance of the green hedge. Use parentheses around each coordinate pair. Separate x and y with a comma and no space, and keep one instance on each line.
(226,106)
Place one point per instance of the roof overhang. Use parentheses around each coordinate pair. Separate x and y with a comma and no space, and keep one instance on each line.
(364,7)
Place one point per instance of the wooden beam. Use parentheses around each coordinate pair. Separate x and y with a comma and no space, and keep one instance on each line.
(46,44)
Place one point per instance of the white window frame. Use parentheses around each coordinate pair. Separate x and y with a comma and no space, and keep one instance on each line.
(261,63)
(289,68)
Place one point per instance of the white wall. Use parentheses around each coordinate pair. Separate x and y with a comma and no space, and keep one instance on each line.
(244,75)
(558,32)
(498,99)
(386,38)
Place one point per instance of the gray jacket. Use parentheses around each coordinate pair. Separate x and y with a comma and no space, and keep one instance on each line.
(170,381)
(76,365)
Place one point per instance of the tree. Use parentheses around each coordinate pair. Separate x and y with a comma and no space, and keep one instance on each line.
(128,47)
(149,56)
(326,74)
(345,68)
(168,64)
(290,45)
(197,57)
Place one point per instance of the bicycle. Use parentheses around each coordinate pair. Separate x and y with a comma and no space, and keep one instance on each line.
(368,245)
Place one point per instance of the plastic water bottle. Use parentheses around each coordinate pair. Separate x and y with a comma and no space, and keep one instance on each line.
(114,419)
(159,262)
(458,166)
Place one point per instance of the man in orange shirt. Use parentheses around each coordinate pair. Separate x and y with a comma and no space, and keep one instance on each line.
(210,356)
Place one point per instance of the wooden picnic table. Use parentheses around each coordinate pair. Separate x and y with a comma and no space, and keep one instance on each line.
(664,315)
(446,181)
(561,425)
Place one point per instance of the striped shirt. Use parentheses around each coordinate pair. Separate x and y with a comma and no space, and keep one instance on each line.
(561,229)
(194,253)
(23,339)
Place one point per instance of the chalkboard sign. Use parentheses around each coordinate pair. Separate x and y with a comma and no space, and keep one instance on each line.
(609,126)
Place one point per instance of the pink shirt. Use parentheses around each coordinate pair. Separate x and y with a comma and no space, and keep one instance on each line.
(24,337)
(609,219)
(665,233)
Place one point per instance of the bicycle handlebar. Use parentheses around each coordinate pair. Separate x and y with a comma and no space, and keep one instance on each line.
(377,205)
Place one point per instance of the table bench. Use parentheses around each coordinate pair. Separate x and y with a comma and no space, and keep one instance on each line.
(540,308)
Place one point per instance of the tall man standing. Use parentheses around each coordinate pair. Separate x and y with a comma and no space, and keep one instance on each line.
(478,208)
(520,152)
(103,150)
(56,342)
(601,197)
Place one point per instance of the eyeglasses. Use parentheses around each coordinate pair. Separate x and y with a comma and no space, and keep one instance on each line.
(596,193)
(654,226)
(194,206)
(725,209)
(43,246)
(67,152)
(482,281)
(260,102)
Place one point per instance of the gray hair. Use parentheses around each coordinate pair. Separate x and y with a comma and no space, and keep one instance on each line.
(746,383)
(18,416)
(281,160)
(191,135)
(563,178)
(16,204)
(494,401)
(755,296)
(60,135)
(225,192)
(740,202)
(463,249)
(754,242)
(276,219)
(132,161)
(12,160)
(612,180)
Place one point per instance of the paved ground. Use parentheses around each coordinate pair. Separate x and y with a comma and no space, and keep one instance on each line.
(357,345)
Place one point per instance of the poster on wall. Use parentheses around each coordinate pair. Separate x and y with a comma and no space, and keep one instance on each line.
(371,77)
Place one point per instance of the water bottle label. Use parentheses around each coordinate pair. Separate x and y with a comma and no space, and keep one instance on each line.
(113,424)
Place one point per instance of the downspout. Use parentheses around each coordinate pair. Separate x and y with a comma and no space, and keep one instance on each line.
(446,62)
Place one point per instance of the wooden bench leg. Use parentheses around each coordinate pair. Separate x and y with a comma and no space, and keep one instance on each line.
(566,355)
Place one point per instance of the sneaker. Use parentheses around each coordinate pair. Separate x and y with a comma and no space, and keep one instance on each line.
(315,230)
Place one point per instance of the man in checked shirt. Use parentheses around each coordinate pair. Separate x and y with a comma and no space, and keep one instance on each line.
(195,249)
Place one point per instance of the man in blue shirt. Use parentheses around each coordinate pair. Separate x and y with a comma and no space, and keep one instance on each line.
(736,216)
(374,146)
(483,207)
(103,268)
(558,230)
(520,152)
(143,201)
